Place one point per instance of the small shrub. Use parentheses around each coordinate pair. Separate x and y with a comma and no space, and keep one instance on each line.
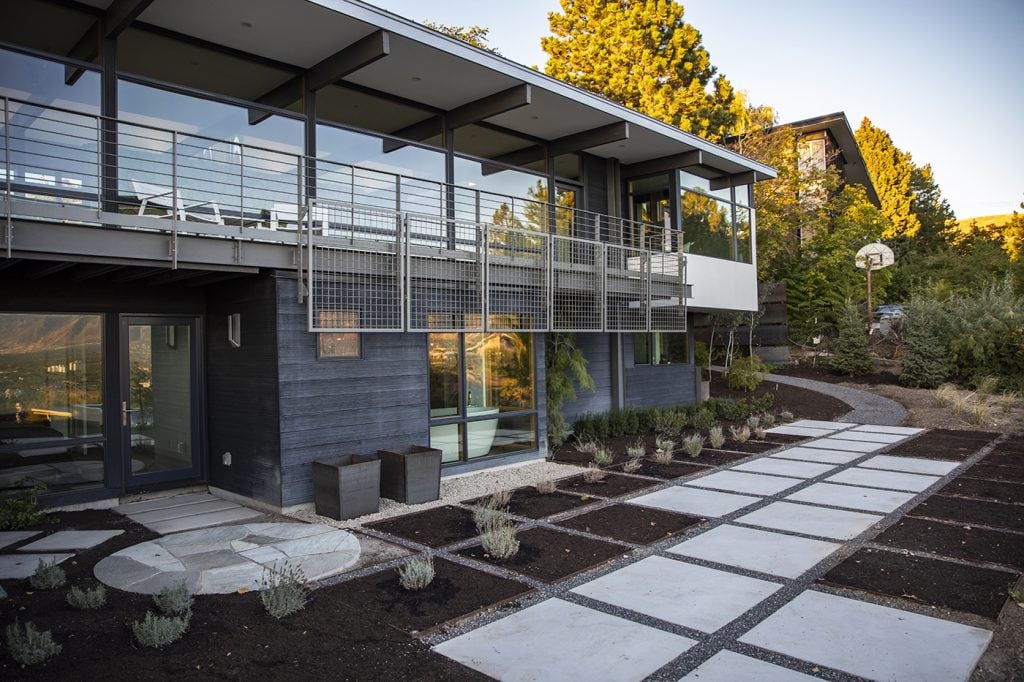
(601,430)
(174,600)
(86,600)
(500,499)
(664,444)
(603,457)
(485,515)
(669,422)
(663,456)
(1017,596)
(633,465)
(283,591)
(587,447)
(21,510)
(1008,400)
(583,429)
(980,413)
(48,576)
(157,632)
(740,435)
(545,487)
(745,373)
(29,646)
(416,574)
(636,449)
(767,420)
(632,421)
(594,474)
(987,385)
(785,415)
(760,433)
(716,437)
(852,351)
(925,344)
(962,405)
(754,421)
(616,423)
(500,541)
(944,395)
(703,419)
(692,445)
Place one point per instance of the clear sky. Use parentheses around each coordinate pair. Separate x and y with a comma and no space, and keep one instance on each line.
(945,78)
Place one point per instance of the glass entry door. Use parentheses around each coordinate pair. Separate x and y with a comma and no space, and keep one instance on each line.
(159,399)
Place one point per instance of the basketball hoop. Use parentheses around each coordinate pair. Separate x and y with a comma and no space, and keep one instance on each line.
(873,257)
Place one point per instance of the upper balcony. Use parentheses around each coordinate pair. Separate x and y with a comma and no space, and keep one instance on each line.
(376,251)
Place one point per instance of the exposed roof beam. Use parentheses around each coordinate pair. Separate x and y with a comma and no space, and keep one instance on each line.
(748,178)
(93,271)
(472,112)
(39,273)
(134,273)
(359,54)
(595,137)
(212,278)
(117,18)
(664,163)
(173,276)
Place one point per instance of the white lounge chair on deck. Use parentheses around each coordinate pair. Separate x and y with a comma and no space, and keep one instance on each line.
(161,197)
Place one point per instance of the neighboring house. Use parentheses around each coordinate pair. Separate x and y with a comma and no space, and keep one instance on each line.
(242,236)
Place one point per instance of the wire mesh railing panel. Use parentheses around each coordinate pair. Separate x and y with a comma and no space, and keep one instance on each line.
(626,289)
(517,280)
(577,285)
(445,274)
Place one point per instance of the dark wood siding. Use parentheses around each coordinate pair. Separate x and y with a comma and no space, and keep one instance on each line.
(242,389)
(595,180)
(333,406)
(598,349)
(656,385)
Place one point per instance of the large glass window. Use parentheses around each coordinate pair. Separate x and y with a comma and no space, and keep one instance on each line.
(660,348)
(499,195)
(707,225)
(482,395)
(51,401)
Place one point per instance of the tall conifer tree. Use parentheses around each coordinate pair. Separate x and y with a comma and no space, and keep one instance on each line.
(891,172)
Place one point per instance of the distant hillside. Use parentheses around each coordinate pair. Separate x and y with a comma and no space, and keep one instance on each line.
(986,220)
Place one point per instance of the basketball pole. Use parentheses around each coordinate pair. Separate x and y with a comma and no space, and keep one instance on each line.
(870,263)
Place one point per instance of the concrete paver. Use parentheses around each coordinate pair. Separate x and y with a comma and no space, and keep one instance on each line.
(757,550)
(695,501)
(820,522)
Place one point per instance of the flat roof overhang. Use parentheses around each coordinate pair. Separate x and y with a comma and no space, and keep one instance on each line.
(431,68)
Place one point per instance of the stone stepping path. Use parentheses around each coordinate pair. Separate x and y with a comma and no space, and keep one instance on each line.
(13,537)
(178,513)
(229,558)
(70,540)
(737,598)
(19,566)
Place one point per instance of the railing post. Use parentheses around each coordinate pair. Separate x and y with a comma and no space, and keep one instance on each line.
(404,252)
(645,267)
(309,285)
(485,305)
(241,189)
(174,200)
(9,227)
(602,273)
(550,258)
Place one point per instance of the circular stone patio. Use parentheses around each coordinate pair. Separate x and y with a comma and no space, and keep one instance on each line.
(229,558)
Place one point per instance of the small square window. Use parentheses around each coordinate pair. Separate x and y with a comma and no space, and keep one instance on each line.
(339,344)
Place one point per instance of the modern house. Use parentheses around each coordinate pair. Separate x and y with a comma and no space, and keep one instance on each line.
(241,235)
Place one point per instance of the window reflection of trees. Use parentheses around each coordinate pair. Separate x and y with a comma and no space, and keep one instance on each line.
(707,225)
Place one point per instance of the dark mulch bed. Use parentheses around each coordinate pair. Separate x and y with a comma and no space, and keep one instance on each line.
(751,447)
(666,471)
(968,511)
(960,542)
(944,444)
(785,438)
(435,527)
(981,591)
(534,505)
(823,373)
(456,592)
(994,472)
(230,636)
(1005,459)
(999,491)
(803,403)
(638,525)
(550,556)
(718,457)
(612,486)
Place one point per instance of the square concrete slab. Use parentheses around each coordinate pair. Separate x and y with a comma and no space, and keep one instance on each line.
(785,467)
(756,550)
(726,666)
(739,482)
(800,431)
(557,640)
(815,455)
(845,445)
(17,566)
(910,465)
(184,523)
(866,499)
(695,501)
(868,436)
(871,641)
(71,539)
(818,424)
(877,428)
(12,537)
(890,480)
(685,594)
(817,521)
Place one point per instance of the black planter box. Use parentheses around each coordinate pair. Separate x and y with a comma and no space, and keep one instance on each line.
(411,475)
(347,486)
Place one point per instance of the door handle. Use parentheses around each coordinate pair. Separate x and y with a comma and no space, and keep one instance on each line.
(124,413)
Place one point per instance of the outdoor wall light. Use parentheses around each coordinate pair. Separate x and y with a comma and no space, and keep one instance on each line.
(235,330)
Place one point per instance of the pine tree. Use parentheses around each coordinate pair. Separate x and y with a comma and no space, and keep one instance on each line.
(477,36)
(925,347)
(891,172)
(641,53)
(852,354)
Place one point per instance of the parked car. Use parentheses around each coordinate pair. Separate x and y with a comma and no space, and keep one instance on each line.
(889,311)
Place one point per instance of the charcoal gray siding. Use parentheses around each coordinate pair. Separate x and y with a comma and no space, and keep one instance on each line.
(656,385)
(242,389)
(597,348)
(333,406)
